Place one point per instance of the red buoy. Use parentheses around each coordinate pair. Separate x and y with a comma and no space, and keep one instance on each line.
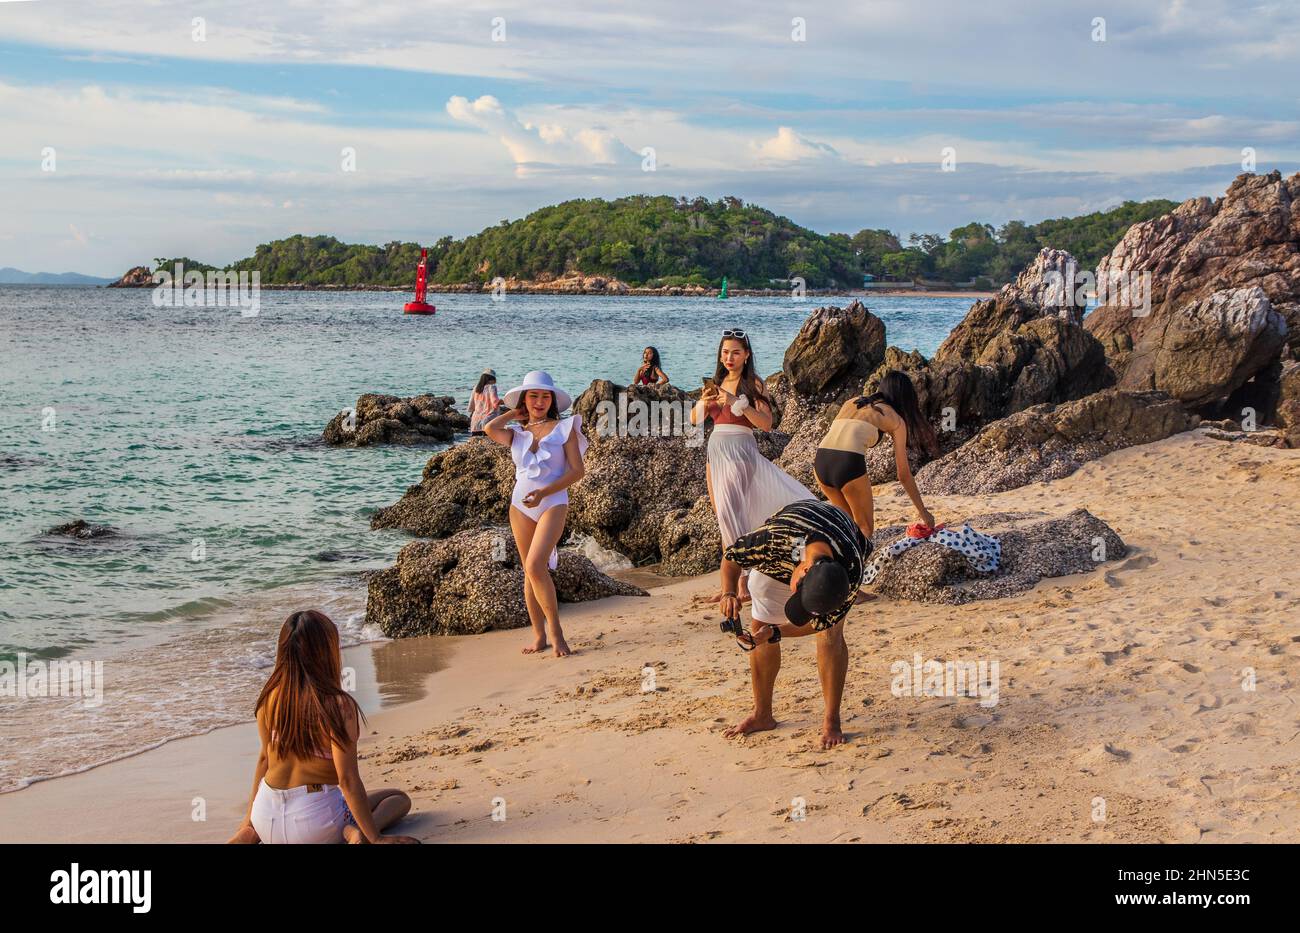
(419,305)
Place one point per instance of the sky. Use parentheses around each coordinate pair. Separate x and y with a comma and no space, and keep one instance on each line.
(132,129)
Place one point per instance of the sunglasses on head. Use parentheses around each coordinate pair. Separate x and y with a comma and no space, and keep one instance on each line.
(734,333)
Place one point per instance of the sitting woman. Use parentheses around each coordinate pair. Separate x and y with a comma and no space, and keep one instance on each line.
(841,463)
(306,786)
(651,372)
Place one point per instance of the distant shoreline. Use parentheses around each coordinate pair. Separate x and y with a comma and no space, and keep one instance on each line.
(667,292)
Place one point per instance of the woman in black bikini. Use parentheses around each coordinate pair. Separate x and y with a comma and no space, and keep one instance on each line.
(841,463)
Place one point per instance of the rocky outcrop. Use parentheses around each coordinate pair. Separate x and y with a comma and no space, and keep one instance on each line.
(632,485)
(611,410)
(82,530)
(1049,442)
(1209,348)
(1043,289)
(1288,405)
(571,283)
(835,347)
(1246,240)
(1049,281)
(137,277)
(472,582)
(835,351)
(463,487)
(388,419)
(689,540)
(1033,548)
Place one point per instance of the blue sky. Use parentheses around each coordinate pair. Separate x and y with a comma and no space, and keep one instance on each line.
(176,139)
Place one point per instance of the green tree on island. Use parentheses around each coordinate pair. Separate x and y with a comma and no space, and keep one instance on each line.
(664,241)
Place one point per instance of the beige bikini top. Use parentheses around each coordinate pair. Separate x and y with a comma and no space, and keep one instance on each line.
(851,434)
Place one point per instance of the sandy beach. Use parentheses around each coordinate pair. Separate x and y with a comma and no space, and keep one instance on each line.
(1121,717)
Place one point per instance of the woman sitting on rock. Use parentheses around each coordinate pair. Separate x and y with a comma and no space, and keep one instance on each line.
(745,487)
(841,462)
(651,372)
(483,403)
(547,451)
(307,787)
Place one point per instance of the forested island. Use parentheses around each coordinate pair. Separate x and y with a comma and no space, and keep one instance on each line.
(665,242)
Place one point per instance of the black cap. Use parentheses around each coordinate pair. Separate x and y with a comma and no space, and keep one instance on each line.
(823,589)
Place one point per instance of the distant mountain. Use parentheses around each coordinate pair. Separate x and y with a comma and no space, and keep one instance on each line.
(12,276)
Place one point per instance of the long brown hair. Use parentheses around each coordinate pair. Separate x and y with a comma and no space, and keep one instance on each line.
(311,708)
(896,391)
(750,385)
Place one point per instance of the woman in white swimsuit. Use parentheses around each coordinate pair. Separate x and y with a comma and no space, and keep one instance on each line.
(547,451)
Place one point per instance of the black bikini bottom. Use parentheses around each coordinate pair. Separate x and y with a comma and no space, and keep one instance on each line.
(835,468)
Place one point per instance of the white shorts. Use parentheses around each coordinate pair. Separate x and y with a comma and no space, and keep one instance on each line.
(300,815)
(770,597)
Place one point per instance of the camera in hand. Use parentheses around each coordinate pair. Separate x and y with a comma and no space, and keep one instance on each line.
(731,626)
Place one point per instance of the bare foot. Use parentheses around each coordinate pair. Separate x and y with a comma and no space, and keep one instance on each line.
(353,836)
(863,597)
(562,649)
(245,835)
(752,723)
(539,644)
(832,735)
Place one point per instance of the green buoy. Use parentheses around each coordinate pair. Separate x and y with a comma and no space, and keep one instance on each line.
(723,294)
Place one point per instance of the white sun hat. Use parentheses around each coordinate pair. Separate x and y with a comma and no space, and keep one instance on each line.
(538,379)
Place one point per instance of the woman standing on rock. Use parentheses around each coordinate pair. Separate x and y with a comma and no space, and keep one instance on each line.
(483,404)
(547,451)
(841,462)
(744,486)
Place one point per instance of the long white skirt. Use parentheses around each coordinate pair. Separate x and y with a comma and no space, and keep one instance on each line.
(748,489)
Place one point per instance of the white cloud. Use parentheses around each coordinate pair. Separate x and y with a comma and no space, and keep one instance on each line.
(532,144)
(789,146)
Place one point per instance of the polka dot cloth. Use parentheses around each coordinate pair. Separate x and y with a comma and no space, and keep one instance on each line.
(983,552)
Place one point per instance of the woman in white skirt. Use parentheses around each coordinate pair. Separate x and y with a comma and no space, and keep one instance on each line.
(746,488)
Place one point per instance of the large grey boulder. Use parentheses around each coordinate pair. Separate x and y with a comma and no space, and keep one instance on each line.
(388,419)
(1049,442)
(472,582)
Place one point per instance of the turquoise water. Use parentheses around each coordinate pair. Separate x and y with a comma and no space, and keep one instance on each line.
(182,427)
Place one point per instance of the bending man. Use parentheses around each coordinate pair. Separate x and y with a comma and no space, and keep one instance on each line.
(807,560)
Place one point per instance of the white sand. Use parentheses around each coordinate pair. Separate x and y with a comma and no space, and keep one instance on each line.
(1123,685)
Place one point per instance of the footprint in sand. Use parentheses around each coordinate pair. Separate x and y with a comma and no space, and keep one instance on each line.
(1103,755)
(1208,701)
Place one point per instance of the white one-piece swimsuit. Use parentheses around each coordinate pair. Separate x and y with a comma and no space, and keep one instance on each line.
(537,468)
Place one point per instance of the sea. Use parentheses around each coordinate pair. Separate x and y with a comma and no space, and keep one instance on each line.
(194,434)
